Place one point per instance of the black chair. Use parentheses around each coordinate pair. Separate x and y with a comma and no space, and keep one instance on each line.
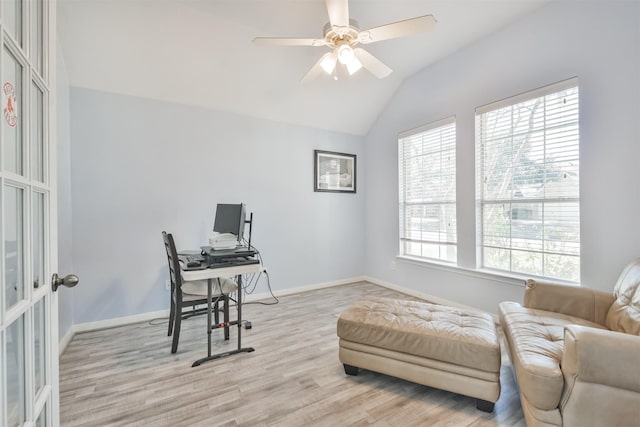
(193,294)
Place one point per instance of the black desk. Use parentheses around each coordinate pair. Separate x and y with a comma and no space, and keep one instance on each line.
(211,274)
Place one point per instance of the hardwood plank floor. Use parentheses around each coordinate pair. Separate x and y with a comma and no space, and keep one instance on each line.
(128,376)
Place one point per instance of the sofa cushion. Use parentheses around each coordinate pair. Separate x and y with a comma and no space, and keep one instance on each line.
(624,314)
(536,341)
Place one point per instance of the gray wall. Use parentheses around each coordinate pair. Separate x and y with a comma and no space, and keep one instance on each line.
(142,166)
(65,264)
(597,41)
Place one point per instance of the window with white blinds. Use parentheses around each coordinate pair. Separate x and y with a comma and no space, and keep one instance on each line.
(528,183)
(427,165)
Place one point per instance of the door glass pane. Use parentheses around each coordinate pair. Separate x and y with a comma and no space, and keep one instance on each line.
(12,112)
(15,395)
(37,243)
(12,18)
(37,133)
(13,244)
(42,419)
(36,35)
(39,346)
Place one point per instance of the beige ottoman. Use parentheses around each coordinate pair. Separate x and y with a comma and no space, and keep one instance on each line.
(443,347)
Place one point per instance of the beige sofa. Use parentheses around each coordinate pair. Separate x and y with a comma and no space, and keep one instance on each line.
(576,352)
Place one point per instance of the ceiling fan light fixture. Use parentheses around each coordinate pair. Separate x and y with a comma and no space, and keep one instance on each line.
(328,62)
(345,54)
(354,66)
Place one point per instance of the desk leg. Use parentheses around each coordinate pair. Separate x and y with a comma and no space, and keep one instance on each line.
(209,297)
(226,317)
(240,349)
(239,281)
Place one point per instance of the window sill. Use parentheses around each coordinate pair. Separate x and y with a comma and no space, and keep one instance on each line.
(496,276)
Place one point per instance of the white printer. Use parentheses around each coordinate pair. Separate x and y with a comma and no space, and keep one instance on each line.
(220,241)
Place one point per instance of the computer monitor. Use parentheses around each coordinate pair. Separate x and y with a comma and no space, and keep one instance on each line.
(230,219)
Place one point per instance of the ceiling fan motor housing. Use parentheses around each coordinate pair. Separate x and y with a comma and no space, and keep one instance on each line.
(336,36)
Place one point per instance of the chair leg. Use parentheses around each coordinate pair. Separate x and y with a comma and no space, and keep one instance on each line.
(216,311)
(176,332)
(226,317)
(172,313)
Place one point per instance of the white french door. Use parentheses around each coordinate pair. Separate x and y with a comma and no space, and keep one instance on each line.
(28,307)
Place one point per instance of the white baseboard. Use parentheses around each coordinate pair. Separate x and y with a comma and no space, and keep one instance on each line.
(126,320)
(417,294)
(119,321)
(426,297)
(143,317)
(106,324)
(306,288)
(65,340)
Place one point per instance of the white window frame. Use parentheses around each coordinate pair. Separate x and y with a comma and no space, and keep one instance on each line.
(423,243)
(547,202)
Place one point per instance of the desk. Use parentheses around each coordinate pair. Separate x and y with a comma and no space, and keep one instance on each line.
(209,275)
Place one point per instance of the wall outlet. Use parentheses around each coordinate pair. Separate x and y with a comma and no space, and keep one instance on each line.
(167,285)
(393,265)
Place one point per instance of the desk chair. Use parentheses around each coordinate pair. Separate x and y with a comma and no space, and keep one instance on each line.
(192,294)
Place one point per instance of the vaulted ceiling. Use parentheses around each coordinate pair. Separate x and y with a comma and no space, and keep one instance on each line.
(200,52)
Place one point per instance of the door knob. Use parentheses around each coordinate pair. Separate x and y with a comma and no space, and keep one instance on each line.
(70,280)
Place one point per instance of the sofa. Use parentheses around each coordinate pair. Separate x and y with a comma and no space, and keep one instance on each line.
(576,352)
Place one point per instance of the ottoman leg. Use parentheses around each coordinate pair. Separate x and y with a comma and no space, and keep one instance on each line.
(350,370)
(484,405)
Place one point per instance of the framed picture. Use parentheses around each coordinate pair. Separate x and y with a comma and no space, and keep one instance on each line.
(334,172)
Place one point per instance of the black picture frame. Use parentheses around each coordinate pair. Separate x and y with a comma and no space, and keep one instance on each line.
(334,172)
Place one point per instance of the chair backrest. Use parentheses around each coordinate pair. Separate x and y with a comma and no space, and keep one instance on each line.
(174,263)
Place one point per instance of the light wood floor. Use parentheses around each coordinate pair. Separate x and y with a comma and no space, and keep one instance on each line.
(128,376)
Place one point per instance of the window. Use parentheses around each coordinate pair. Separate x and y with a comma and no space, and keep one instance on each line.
(427,165)
(527,160)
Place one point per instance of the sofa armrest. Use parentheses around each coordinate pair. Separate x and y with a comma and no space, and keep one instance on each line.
(601,356)
(585,303)
(601,371)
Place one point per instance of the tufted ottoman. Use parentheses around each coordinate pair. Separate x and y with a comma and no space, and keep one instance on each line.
(443,347)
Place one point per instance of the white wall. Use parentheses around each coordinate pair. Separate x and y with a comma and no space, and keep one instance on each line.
(143,166)
(65,264)
(599,42)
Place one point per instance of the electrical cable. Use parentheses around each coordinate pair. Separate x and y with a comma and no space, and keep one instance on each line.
(253,281)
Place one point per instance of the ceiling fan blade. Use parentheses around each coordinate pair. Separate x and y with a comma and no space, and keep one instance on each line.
(338,12)
(288,42)
(319,67)
(371,63)
(407,27)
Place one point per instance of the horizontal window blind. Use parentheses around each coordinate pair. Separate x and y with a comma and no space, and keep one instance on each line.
(427,166)
(528,184)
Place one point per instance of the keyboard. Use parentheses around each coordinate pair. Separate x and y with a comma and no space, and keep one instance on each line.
(231,262)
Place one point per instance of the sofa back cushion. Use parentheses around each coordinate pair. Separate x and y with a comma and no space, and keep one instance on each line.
(624,314)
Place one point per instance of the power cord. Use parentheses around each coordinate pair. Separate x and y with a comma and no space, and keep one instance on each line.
(158,321)
(252,281)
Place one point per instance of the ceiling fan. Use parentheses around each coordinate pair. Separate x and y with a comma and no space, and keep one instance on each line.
(342,35)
